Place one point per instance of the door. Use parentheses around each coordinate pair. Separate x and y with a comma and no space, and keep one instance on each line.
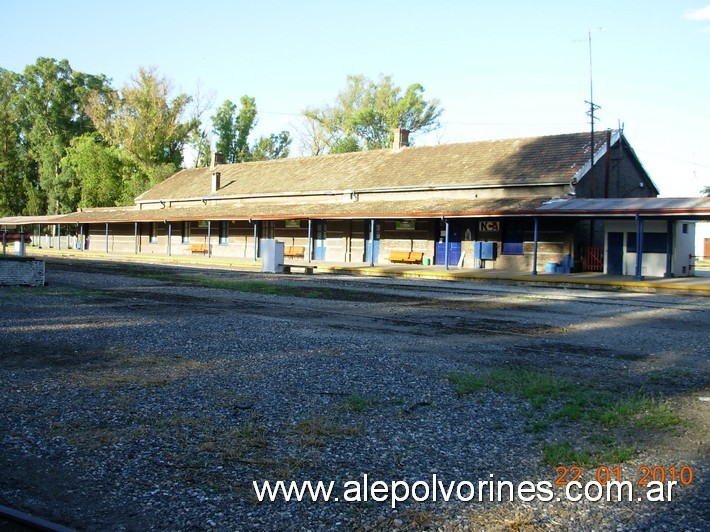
(319,237)
(372,247)
(454,243)
(615,254)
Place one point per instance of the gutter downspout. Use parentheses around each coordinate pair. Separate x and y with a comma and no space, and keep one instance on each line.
(670,229)
(135,238)
(446,245)
(372,242)
(256,241)
(170,238)
(209,238)
(535,240)
(639,248)
(310,225)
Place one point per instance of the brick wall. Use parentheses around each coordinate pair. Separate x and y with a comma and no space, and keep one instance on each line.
(21,272)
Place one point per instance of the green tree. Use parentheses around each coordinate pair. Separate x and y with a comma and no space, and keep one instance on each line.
(93,172)
(275,146)
(146,121)
(12,186)
(52,111)
(233,128)
(365,114)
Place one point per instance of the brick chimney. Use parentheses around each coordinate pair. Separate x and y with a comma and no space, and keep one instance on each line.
(215,181)
(401,138)
(215,159)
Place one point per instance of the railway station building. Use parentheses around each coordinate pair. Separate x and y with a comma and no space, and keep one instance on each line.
(517,204)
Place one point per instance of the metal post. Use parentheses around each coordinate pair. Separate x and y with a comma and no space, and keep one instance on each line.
(670,229)
(106,237)
(39,235)
(135,238)
(446,245)
(59,237)
(170,238)
(309,240)
(256,242)
(81,237)
(372,242)
(535,240)
(639,248)
(209,238)
(4,240)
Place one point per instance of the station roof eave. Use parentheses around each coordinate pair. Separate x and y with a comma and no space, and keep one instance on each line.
(434,208)
(671,208)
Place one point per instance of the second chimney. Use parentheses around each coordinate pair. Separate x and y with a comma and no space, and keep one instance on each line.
(401,138)
(215,159)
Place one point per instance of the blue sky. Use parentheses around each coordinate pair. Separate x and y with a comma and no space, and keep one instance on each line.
(500,69)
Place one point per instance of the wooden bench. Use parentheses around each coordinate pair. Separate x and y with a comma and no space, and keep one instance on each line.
(410,257)
(294,251)
(199,248)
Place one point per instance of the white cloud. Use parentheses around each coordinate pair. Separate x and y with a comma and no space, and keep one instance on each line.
(702,13)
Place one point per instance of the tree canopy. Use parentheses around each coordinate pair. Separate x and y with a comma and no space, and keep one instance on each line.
(365,114)
(69,139)
(234,126)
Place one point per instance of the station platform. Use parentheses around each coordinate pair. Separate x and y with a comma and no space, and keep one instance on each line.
(698,284)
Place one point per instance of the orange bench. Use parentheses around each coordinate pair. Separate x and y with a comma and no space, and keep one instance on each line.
(199,248)
(409,257)
(294,251)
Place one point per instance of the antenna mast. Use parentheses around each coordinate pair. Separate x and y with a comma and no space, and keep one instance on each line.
(592,108)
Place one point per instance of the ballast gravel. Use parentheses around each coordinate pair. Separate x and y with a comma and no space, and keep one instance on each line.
(136,403)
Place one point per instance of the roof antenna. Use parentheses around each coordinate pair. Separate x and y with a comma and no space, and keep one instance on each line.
(592,108)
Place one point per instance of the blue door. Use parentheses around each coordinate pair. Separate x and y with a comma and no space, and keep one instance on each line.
(372,247)
(454,244)
(319,240)
(615,254)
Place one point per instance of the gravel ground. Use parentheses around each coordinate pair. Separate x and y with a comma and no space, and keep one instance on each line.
(151,403)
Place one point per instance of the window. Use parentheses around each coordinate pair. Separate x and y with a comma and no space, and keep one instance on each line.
(185,232)
(153,233)
(685,229)
(512,238)
(652,242)
(223,233)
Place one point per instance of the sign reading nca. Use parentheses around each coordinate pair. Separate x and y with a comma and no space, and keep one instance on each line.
(489,226)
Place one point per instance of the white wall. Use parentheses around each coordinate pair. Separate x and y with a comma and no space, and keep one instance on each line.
(654,264)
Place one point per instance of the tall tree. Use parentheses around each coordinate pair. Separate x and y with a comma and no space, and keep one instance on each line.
(233,127)
(275,146)
(52,111)
(93,172)
(12,184)
(146,121)
(365,113)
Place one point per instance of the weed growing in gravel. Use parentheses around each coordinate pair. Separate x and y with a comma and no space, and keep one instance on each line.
(356,402)
(563,453)
(316,430)
(570,403)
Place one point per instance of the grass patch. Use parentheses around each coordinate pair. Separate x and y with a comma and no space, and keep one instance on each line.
(536,386)
(590,412)
(563,453)
(316,430)
(234,444)
(356,402)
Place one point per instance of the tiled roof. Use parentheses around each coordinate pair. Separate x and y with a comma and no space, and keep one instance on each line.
(361,210)
(527,161)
